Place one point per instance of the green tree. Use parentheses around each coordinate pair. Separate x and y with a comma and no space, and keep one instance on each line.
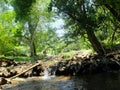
(47,40)
(113,6)
(8,30)
(81,14)
(31,13)
(113,22)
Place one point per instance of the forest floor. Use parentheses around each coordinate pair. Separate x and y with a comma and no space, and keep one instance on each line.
(78,64)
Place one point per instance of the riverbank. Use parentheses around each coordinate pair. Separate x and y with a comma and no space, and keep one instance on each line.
(75,66)
(89,64)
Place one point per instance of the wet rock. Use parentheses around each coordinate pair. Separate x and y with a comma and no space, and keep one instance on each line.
(7,72)
(9,68)
(37,71)
(5,62)
(68,68)
(52,70)
(88,65)
(75,66)
(113,64)
(3,81)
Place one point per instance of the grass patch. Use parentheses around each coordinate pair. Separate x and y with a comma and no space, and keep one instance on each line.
(19,58)
(69,55)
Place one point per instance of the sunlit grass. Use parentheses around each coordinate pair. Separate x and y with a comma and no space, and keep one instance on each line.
(69,55)
(19,58)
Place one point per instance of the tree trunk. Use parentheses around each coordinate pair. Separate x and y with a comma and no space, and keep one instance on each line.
(32,43)
(91,35)
(32,49)
(94,42)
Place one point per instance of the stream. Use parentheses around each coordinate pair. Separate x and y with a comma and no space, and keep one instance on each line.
(102,81)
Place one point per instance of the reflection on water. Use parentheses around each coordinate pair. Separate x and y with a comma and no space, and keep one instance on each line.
(106,81)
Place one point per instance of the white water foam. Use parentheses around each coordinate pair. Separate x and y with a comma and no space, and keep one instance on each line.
(47,76)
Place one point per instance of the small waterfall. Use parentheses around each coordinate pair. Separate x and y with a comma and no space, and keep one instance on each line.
(47,75)
(30,73)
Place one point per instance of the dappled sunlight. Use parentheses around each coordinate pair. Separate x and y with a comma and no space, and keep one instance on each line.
(108,81)
(63,78)
(59,44)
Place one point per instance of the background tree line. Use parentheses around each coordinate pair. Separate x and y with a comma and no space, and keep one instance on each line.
(97,19)
(25,26)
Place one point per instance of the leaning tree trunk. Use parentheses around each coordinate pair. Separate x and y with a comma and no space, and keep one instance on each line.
(91,35)
(94,42)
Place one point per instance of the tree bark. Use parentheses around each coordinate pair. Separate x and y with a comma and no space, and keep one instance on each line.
(32,49)
(94,42)
(89,29)
(32,43)
(91,35)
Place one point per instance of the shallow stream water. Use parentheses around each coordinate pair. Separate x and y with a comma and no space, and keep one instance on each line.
(104,81)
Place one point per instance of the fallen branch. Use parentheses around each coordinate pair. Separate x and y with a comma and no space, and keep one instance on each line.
(25,70)
(113,53)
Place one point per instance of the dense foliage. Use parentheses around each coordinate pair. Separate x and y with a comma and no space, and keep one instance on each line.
(25,26)
(90,17)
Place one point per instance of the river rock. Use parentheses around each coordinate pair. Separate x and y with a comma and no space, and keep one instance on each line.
(3,81)
(5,62)
(88,65)
(38,70)
(114,64)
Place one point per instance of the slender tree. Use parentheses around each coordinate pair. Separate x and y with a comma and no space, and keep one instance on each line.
(30,13)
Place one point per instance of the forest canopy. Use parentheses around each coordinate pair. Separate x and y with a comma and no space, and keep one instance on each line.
(88,24)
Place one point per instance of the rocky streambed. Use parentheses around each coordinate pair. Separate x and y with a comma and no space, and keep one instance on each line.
(77,65)
(9,68)
(89,65)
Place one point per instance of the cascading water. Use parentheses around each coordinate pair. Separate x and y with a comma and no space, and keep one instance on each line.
(47,75)
(30,74)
